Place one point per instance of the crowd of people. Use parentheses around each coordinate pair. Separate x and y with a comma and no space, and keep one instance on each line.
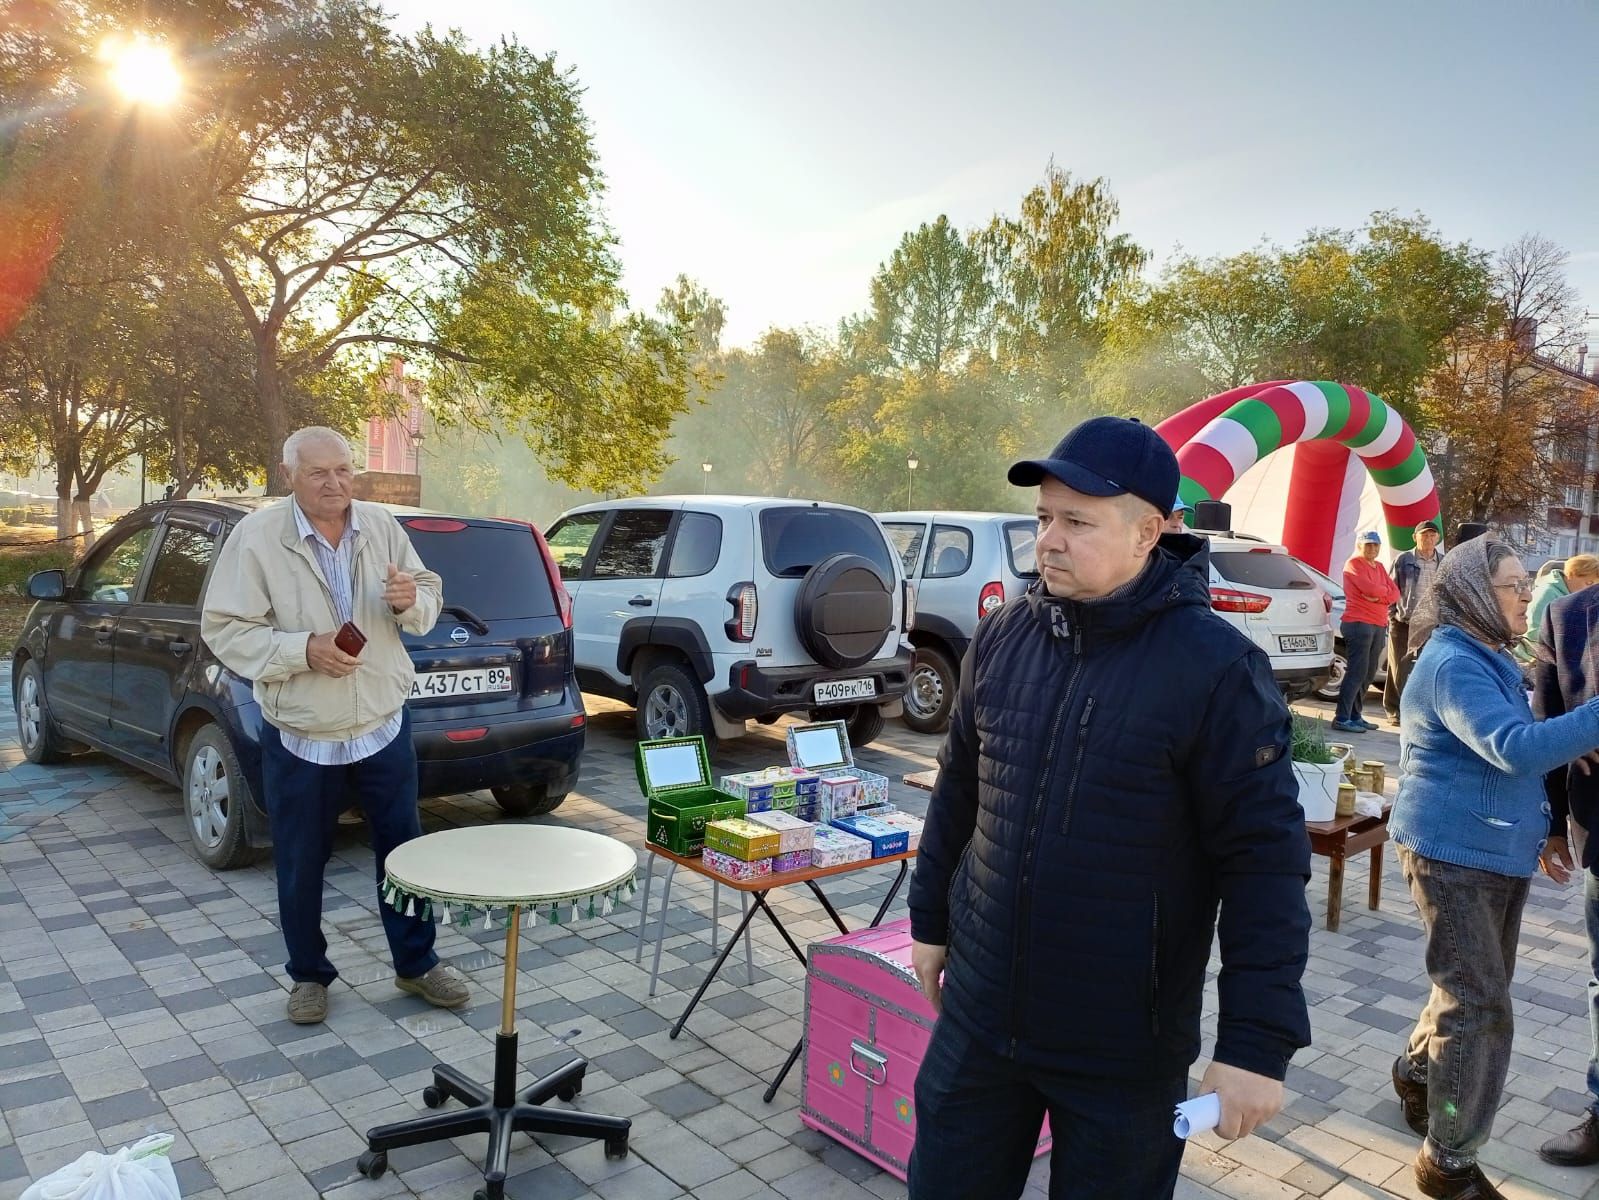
(1092,829)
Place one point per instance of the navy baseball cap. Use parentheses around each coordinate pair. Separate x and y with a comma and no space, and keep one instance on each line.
(1108,456)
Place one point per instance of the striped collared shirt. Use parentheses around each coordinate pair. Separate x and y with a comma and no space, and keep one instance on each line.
(338,571)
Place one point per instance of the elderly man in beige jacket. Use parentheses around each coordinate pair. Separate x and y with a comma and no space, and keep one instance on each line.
(289,578)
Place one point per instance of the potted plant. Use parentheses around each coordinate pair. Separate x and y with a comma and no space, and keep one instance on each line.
(1318,768)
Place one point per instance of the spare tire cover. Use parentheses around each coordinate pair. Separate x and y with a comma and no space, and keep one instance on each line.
(844,612)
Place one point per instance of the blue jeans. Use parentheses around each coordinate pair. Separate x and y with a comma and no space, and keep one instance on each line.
(1362,644)
(304,801)
(978,1117)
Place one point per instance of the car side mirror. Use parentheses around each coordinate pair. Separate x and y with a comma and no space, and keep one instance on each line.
(47,585)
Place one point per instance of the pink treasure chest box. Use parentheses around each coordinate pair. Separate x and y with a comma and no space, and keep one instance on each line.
(867,1026)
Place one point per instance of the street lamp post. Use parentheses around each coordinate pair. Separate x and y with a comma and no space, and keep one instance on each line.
(705,467)
(911,463)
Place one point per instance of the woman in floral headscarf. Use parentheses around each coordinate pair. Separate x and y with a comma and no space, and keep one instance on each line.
(1470,821)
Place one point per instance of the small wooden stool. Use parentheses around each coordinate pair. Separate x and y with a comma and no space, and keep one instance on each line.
(1341,837)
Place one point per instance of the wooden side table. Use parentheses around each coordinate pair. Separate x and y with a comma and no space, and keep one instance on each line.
(1341,837)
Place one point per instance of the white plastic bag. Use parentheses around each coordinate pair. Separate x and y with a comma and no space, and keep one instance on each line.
(141,1171)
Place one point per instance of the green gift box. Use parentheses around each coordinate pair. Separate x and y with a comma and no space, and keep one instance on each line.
(675,776)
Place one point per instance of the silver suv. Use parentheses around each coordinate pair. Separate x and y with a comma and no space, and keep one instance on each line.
(704,612)
(963,566)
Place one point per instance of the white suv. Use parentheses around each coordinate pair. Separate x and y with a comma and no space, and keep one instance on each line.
(706,611)
(1261,589)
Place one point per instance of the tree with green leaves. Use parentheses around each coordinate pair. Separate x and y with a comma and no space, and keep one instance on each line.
(931,302)
(359,193)
(1376,307)
(1055,270)
(380,194)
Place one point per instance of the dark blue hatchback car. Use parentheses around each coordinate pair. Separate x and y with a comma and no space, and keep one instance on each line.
(111,659)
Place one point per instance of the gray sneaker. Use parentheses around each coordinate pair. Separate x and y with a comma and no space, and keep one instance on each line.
(443,987)
(308,1004)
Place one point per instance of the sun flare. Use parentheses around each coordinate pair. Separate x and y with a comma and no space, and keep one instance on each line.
(143,71)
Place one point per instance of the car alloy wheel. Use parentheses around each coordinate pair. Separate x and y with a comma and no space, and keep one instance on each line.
(30,712)
(666,712)
(208,798)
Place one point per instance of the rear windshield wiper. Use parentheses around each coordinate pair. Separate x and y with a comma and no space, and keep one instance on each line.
(478,624)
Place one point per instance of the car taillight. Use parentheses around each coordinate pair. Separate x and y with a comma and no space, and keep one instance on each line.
(563,601)
(741,625)
(908,603)
(1326,600)
(992,597)
(1230,600)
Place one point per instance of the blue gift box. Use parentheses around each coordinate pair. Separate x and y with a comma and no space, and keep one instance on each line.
(885,839)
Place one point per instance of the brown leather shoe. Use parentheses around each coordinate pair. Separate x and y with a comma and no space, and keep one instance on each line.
(1577,1147)
(1468,1184)
(1412,1097)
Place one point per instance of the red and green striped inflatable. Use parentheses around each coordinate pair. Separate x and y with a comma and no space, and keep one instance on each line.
(1218,439)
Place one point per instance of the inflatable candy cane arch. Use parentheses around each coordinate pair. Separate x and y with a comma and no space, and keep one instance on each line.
(1218,439)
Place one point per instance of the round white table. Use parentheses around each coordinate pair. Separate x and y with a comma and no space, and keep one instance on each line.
(509,872)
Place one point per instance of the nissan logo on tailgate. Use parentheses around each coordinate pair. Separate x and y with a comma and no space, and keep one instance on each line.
(459,635)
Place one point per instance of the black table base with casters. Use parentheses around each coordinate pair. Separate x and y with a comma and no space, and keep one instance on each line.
(496,1110)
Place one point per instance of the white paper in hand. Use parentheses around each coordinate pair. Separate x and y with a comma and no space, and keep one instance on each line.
(1199,1115)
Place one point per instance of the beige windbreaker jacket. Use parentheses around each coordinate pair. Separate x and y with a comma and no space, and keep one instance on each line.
(267,597)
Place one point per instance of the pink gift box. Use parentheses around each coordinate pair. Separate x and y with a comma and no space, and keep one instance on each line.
(729,867)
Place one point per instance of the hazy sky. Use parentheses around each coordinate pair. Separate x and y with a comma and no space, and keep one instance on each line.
(777,152)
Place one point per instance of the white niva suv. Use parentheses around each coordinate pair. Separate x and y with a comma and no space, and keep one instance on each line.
(706,611)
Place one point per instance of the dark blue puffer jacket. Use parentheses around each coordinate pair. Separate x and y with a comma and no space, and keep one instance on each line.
(1115,770)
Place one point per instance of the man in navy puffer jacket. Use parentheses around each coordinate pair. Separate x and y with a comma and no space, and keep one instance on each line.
(1117,766)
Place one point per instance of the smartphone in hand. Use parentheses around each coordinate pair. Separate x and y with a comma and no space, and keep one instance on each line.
(350,639)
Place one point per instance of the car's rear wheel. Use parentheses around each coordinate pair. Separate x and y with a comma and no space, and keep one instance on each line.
(40,742)
(527,799)
(864,725)
(931,694)
(215,798)
(671,703)
(1335,680)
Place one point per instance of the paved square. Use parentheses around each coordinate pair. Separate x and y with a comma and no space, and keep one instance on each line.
(141,992)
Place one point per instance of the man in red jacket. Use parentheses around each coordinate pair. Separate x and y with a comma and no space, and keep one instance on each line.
(1369,592)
